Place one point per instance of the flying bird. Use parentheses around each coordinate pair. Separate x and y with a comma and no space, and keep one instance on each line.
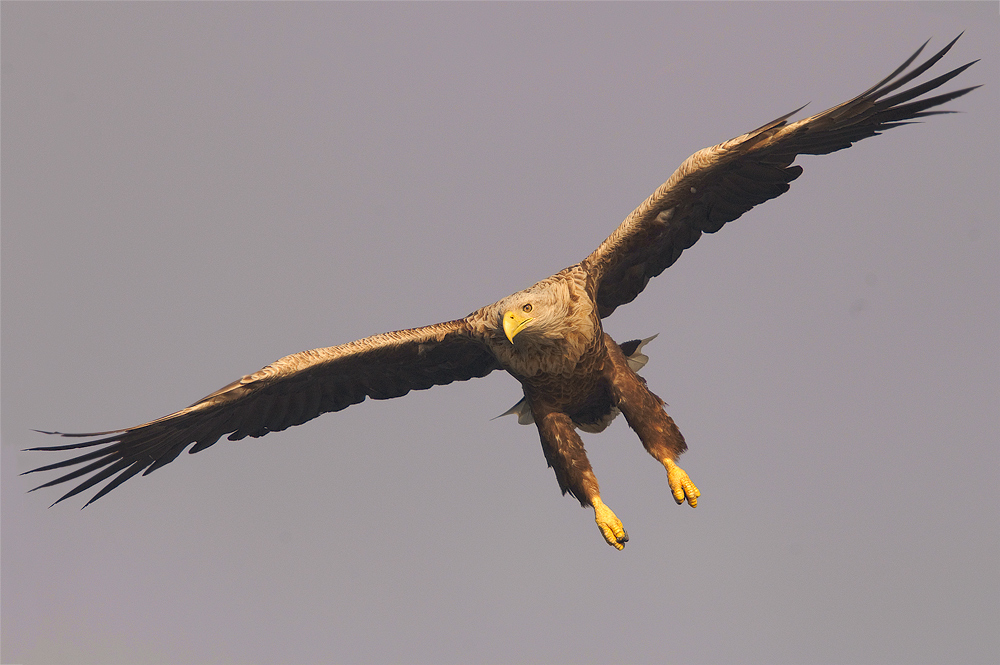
(548,336)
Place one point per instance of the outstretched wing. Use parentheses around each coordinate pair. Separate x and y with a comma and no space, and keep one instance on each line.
(718,184)
(287,392)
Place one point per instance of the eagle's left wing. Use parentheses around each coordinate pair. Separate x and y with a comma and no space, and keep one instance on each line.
(718,184)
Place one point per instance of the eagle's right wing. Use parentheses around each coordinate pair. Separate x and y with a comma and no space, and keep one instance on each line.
(287,392)
(718,184)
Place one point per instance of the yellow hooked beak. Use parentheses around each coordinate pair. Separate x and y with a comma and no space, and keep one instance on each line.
(514,322)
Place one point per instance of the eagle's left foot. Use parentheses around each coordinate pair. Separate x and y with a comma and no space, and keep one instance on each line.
(681,485)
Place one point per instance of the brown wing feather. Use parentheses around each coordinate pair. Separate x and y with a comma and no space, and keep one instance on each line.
(718,184)
(287,392)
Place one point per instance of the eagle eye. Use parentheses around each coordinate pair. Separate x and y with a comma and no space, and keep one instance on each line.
(526,308)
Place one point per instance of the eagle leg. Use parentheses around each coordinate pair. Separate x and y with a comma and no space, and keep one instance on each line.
(645,415)
(564,452)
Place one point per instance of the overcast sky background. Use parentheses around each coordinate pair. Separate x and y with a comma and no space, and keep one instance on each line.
(191,191)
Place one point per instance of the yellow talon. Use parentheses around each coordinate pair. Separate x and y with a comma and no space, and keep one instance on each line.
(681,485)
(609,524)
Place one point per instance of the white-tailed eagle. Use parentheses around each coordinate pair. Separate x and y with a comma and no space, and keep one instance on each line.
(549,336)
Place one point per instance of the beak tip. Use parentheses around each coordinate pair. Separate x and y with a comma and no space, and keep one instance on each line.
(512,324)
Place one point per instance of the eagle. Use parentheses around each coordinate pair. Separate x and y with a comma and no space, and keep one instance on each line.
(549,336)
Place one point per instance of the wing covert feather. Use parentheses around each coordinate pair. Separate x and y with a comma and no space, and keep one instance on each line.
(285,393)
(717,185)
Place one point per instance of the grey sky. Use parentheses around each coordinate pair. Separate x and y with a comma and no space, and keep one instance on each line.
(191,191)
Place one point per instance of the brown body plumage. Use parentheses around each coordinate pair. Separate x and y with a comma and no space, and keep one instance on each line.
(548,336)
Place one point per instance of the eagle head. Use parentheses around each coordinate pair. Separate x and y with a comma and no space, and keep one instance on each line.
(547,314)
(515,320)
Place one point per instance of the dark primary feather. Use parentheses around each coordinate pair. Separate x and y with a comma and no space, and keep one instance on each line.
(288,392)
(718,184)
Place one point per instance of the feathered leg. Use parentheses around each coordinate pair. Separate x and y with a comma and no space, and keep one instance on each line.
(565,454)
(644,412)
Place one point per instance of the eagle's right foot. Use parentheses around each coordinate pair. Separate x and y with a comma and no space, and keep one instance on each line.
(609,524)
(680,484)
